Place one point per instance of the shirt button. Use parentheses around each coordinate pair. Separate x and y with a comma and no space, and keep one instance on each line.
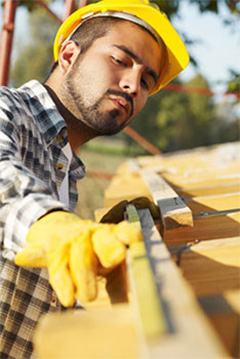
(60,166)
(54,299)
(59,139)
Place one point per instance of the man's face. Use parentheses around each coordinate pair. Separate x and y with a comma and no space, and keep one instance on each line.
(110,83)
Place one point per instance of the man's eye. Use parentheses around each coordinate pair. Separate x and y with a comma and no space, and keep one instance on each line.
(118,61)
(145,83)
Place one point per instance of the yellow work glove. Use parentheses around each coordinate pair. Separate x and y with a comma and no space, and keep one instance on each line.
(71,249)
(116,213)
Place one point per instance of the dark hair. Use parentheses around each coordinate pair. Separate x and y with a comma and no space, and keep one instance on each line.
(90,31)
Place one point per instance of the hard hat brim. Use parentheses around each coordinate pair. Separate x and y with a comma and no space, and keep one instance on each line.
(177,53)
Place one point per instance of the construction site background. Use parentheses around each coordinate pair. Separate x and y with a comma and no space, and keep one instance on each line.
(184,115)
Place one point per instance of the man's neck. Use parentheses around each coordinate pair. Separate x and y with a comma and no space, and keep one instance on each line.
(78,132)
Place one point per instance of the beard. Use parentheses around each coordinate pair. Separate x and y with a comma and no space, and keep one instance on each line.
(104,123)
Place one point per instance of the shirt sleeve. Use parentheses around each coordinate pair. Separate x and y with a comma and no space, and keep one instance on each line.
(23,197)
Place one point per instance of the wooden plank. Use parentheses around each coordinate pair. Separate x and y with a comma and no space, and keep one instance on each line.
(95,334)
(125,186)
(211,267)
(203,157)
(115,332)
(233,298)
(206,227)
(143,286)
(207,190)
(194,170)
(224,319)
(133,166)
(214,202)
(147,301)
(210,180)
(174,212)
(188,328)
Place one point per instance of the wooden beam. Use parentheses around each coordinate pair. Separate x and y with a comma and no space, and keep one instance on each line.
(125,186)
(208,189)
(206,227)
(214,202)
(197,159)
(49,11)
(174,212)
(143,286)
(133,166)
(224,319)
(188,328)
(116,332)
(178,180)
(141,141)
(211,267)
(94,334)
(213,270)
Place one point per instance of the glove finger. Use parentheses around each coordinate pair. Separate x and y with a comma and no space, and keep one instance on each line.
(83,267)
(128,233)
(59,276)
(109,250)
(115,214)
(31,257)
(155,211)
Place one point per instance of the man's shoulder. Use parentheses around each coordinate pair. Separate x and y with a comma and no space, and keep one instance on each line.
(27,90)
(10,100)
(8,92)
(21,97)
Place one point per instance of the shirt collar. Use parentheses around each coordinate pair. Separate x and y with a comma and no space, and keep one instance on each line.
(48,118)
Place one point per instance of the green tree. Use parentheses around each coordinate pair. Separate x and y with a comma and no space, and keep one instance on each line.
(171,120)
(175,120)
(35,58)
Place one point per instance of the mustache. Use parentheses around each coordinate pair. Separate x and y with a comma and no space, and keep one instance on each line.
(125,95)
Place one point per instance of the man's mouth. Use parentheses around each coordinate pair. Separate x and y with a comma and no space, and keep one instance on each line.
(122,104)
(122,101)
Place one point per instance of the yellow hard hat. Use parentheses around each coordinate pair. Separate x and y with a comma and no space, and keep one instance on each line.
(145,14)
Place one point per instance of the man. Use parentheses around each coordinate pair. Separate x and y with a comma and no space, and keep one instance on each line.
(109,57)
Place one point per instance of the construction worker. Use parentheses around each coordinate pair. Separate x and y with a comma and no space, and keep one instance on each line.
(109,57)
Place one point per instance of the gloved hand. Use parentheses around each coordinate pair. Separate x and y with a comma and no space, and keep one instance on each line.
(71,248)
(116,213)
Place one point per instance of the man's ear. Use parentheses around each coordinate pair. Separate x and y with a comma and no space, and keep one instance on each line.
(67,55)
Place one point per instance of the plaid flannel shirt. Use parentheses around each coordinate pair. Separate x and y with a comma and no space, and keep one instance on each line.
(32,168)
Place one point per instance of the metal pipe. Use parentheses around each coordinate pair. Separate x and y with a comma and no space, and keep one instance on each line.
(7,39)
(68,9)
(142,141)
(82,3)
(54,16)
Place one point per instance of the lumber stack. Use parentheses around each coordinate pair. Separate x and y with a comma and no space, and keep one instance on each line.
(184,295)
(198,192)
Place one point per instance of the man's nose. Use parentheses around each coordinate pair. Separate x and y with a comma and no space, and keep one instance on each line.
(130,82)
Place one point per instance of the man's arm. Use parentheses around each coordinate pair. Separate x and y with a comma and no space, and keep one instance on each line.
(23,197)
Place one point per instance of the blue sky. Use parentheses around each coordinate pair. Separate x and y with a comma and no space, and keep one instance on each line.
(219,46)
(218,51)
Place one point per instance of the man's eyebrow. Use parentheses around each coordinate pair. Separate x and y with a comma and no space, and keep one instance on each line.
(150,71)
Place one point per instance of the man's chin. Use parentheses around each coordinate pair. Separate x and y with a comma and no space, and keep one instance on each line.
(109,132)
(114,126)
(113,130)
